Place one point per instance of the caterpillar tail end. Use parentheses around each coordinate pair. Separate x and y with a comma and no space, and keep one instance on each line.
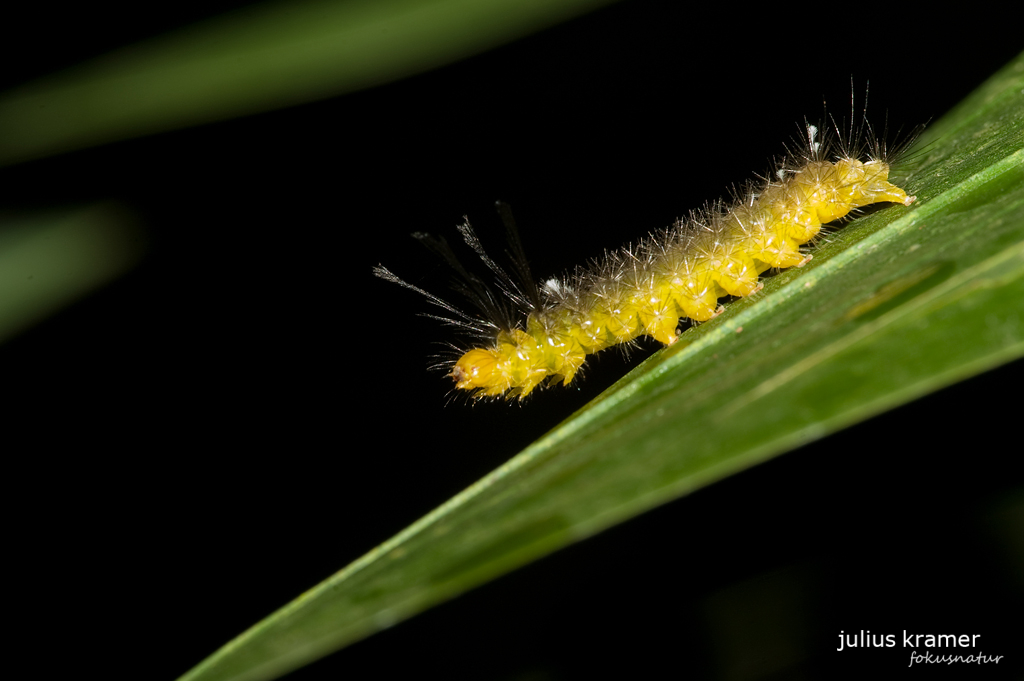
(895,195)
(874,186)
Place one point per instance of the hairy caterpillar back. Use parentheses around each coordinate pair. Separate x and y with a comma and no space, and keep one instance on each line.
(678,273)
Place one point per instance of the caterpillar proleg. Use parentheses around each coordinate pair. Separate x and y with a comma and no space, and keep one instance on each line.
(529,336)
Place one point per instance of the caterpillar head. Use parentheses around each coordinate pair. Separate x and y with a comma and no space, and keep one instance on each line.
(478,370)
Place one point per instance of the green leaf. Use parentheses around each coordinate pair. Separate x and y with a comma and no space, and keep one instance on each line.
(896,305)
(259,59)
(50,260)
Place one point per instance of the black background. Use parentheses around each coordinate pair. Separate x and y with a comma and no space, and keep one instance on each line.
(249,410)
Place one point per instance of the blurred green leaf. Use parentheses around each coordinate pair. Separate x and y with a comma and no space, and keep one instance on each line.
(262,58)
(50,260)
(896,305)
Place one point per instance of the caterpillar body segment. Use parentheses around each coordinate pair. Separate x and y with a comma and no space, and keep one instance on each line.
(679,274)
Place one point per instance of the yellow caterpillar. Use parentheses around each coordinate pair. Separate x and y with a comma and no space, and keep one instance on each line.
(646,290)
